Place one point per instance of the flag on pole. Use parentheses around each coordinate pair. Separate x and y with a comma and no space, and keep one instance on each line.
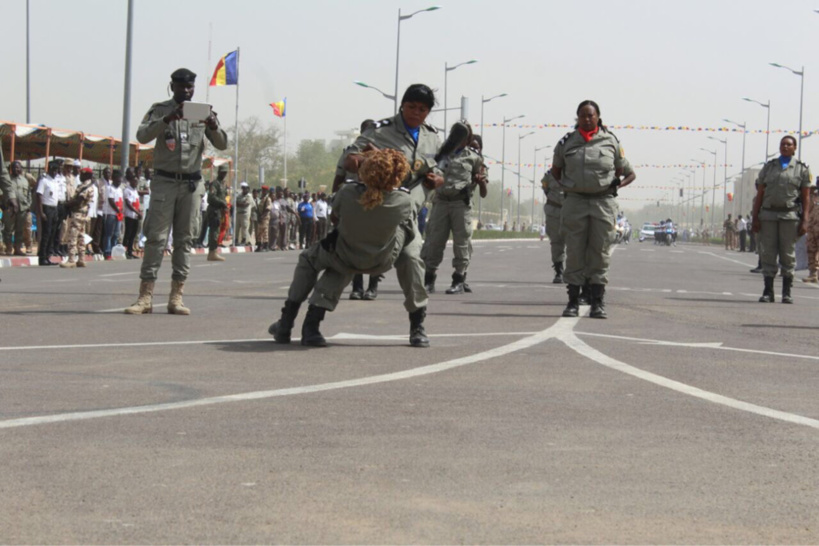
(279,108)
(227,70)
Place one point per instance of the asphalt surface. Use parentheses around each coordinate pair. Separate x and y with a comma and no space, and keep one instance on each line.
(691,415)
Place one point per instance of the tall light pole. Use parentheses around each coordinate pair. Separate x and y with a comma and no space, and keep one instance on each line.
(725,176)
(702,196)
(374,88)
(714,192)
(766,106)
(28,65)
(534,178)
(126,107)
(484,101)
(447,70)
(398,46)
(520,138)
(801,74)
(692,175)
(744,128)
(503,162)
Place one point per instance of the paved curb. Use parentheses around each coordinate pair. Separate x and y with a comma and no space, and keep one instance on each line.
(33,261)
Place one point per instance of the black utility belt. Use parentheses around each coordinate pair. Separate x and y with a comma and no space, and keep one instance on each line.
(553,204)
(598,195)
(781,209)
(456,197)
(187,177)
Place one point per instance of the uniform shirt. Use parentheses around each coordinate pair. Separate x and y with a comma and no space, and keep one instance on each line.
(5,180)
(111,192)
(131,195)
(180,144)
(144,200)
(459,170)
(782,188)
(321,208)
(245,200)
(48,189)
(305,210)
(265,206)
(21,191)
(217,196)
(81,200)
(392,133)
(368,239)
(62,189)
(70,186)
(93,205)
(588,167)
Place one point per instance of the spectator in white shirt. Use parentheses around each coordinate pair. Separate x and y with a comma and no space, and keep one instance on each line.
(133,214)
(48,189)
(321,216)
(111,211)
(742,228)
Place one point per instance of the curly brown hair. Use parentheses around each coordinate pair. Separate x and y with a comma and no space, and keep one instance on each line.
(382,170)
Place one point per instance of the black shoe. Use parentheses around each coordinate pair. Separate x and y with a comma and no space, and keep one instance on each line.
(768,294)
(281,329)
(573,307)
(310,335)
(429,280)
(558,267)
(756,270)
(598,306)
(787,283)
(457,284)
(418,336)
(356,295)
(372,289)
(467,288)
(585,295)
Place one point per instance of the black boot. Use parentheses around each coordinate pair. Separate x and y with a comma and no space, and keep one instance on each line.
(418,336)
(310,335)
(585,294)
(573,308)
(372,288)
(429,280)
(457,284)
(758,268)
(358,287)
(280,330)
(558,267)
(598,306)
(467,288)
(768,294)
(787,282)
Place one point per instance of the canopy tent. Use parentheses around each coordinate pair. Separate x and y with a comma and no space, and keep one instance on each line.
(28,142)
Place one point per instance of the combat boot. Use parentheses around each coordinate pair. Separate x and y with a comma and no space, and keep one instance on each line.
(787,283)
(598,305)
(457,284)
(418,336)
(213,256)
(372,289)
(357,292)
(573,307)
(144,303)
(68,265)
(585,294)
(558,267)
(80,263)
(429,280)
(768,293)
(281,329)
(467,288)
(813,277)
(175,305)
(310,335)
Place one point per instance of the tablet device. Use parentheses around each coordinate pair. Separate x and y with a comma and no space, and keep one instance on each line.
(195,111)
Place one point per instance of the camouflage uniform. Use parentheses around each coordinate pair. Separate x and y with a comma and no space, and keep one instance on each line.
(76,222)
(813,238)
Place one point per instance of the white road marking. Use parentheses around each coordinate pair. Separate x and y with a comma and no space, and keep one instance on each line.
(560,328)
(646,250)
(575,343)
(726,259)
(119,274)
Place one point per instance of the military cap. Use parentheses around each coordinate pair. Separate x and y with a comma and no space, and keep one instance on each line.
(183,75)
(265,187)
(223,168)
(55,163)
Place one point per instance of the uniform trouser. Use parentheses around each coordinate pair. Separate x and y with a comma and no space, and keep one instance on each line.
(293,229)
(75,236)
(214,224)
(202,224)
(47,227)
(305,232)
(556,241)
(110,233)
(752,241)
(446,217)
(282,237)
(261,229)
(274,231)
(96,233)
(131,232)
(321,231)
(778,241)
(172,205)
(14,225)
(62,214)
(410,269)
(742,237)
(242,228)
(252,229)
(588,229)
(813,247)
(328,288)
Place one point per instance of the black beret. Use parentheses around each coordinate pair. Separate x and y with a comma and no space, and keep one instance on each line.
(183,75)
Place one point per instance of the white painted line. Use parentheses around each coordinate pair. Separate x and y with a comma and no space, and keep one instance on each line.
(115,310)
(647,250)
(119,274)
(561,328)
(726,259)
(575,343)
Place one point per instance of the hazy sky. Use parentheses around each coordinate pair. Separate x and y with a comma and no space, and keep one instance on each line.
(646,62)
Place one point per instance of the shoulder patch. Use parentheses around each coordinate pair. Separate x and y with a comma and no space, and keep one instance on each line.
(431,128)
(383,123)
(565,138)
(403,189)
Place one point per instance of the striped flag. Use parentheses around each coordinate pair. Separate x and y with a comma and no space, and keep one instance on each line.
(279,108)
(227,70)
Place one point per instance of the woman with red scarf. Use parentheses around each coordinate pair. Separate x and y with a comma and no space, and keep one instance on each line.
(588,163)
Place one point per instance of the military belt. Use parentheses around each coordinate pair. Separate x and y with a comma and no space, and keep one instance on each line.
(553,204)
(598,195)
(188,177)
(458,197)
(782,209)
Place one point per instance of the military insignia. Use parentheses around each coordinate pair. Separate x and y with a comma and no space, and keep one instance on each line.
(564,139)
(622,152)
(417,165)
(170,143)
(404,189)
(383,123)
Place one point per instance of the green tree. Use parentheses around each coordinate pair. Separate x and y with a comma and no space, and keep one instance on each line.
(258,147)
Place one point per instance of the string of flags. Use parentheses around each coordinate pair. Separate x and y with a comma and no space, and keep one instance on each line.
(679,128)
(641,166)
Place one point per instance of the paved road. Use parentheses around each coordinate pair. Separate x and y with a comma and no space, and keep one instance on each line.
(691,415)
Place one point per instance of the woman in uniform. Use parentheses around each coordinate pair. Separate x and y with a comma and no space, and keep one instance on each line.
(588,163)
(781,184)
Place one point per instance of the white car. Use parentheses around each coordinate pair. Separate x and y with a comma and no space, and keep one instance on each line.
(647,231)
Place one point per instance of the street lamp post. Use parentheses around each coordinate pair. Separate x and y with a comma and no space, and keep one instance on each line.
(447,70)
(692,175)
(484,101)
(503,162)
(534,178)
(702,196)
(398,46)
(714,192)
(520,138)
(724,142)
(801,74)
(368,86)
(743,126)
(766,106)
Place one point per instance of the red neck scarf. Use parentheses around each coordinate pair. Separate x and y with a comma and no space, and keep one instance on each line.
(587,135)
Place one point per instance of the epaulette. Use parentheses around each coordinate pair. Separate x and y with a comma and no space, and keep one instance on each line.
(612,134)
(475,150)
(431,128)
(403,189)
(565,138)
(803,164)
(383,123)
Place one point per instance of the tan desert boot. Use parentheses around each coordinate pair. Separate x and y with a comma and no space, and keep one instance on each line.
(175,305)
(213,256)
(144,303)
(813,277)
(68,265)
(81,263)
